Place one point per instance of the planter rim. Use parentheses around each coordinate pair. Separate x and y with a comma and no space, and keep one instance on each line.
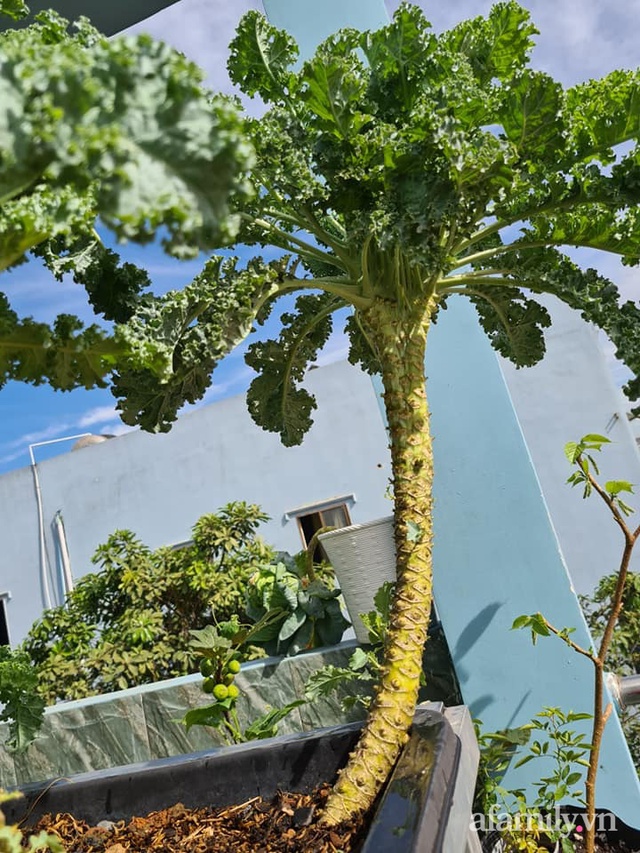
(194,758)
(352,528)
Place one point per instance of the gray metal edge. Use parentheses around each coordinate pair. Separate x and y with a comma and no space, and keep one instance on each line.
(460,835)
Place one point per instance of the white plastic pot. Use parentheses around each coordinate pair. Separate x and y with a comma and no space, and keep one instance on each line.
(363,557)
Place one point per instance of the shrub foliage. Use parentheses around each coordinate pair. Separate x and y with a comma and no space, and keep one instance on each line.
(129,622)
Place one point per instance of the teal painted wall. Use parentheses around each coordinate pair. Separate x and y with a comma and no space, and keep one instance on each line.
(496,557)
(310,23)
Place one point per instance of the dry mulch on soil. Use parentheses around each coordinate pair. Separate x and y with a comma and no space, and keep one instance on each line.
(284,825)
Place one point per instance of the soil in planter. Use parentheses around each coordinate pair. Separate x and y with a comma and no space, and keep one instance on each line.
(286,824)
(605,846)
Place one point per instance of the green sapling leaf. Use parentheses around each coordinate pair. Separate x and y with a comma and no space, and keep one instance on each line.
(614,487)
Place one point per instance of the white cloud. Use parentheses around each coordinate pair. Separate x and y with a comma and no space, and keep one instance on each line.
(54,430)
(11,457)
(19,447)
(99,415)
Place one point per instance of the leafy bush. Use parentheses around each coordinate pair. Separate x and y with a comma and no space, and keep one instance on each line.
(310,613)
(23,706)
(624,653)
(130,622)
(222,650)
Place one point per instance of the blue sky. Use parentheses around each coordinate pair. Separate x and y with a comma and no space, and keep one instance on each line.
(578,39)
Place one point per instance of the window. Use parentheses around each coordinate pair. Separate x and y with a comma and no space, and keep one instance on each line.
(332,515)
(4,622)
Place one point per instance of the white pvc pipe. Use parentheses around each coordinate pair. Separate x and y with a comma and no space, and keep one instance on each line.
(46,592)
(44,579)
(67,577)
(625,690)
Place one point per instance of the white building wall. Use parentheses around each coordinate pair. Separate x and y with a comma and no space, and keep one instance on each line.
(158,485)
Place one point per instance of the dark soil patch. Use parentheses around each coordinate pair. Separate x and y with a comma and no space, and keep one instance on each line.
(605,845)
(287,824)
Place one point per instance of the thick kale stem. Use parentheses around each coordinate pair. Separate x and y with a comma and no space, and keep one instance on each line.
(400,343)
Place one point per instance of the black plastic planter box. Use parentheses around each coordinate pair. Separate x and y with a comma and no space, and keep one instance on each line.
(412,815)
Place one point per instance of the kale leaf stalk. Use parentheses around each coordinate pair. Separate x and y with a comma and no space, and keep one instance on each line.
(400,346)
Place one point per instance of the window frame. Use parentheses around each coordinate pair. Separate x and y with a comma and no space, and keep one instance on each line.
(317,508)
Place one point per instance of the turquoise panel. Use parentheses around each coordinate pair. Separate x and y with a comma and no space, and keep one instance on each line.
(310,23)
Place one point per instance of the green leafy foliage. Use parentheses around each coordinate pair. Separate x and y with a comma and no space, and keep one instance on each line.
(377,620)
(535,622)
(624,654)
(356,680)
(261,56)
(221,649)
(164,342)
(309,612)
(23,705)
(14,9)
(130,622)
(402,178)
(561,754)
(120,129)
(145,615)
(604,618)
(580,454)
(393,169)
(274,400)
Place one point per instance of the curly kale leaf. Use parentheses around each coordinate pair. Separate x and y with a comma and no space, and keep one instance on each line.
(595,297)
(360,350)
(275,400)
(14,9)
(531,114)
(513,322)
(496,46)
(125,125)
(261,58)
(174,342)
(66,355)
(113,288)
(604,113)
(23,706)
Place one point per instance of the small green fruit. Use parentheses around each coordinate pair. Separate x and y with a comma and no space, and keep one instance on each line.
(234,666)
(208,685)
(228,679)
(206,667)
(221,691)
(233,692)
